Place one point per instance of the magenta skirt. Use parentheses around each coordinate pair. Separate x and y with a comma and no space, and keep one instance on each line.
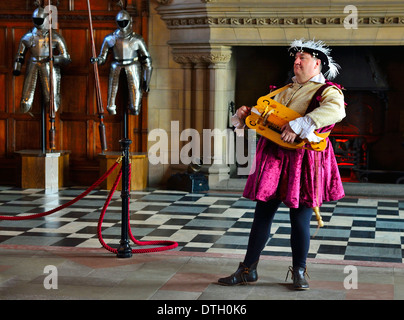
(296,177)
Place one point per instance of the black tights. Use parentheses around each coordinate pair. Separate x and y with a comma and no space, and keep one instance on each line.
(261,227)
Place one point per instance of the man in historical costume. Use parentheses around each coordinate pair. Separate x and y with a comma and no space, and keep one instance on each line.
(130,54)
(301,179)
(37,43)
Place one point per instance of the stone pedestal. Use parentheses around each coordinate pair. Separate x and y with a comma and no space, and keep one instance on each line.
(139,164)
(39,170)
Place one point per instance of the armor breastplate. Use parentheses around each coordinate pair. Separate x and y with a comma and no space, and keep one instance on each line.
(38,45)
(125,49)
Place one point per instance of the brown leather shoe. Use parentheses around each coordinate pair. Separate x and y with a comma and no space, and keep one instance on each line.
(243,276)
(298,277)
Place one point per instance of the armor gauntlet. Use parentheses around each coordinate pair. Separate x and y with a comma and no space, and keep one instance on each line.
(147,72)
(19,59)
(18,65)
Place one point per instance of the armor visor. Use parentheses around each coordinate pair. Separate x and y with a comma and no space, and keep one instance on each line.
(122,24)
(38,22)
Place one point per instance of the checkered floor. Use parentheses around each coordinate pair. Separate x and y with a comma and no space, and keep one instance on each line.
(213,222)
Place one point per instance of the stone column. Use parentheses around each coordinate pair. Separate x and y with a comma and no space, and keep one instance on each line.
(208,89)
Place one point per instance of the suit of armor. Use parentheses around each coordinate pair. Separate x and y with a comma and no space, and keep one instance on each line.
(36,42)
(130,54)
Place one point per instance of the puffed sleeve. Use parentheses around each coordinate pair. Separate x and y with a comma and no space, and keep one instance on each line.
(331,109)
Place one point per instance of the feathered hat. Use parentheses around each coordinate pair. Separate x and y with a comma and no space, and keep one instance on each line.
(317,49)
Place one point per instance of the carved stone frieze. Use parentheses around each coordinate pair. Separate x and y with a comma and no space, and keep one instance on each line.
(164,2)
(270,22)
(279,21)
(207,58)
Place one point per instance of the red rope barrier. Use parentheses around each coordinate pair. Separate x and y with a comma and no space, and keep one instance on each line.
(168,245)
(81,196)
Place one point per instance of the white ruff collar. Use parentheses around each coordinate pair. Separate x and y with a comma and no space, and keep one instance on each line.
(317,78)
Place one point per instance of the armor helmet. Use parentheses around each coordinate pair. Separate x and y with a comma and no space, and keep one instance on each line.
(124,21)
(38,17)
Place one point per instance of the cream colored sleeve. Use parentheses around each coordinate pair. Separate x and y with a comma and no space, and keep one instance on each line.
(331,109)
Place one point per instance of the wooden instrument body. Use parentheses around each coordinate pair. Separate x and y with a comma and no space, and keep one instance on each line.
(273,115)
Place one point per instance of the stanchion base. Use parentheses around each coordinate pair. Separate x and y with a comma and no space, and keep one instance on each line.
(124,250)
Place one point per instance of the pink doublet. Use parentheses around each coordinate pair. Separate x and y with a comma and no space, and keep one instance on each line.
(290,176)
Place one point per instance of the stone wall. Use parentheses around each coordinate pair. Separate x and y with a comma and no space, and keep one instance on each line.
(192,45)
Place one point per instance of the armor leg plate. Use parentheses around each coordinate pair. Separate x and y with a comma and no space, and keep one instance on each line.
(133,74)
(113,87)
(28,91)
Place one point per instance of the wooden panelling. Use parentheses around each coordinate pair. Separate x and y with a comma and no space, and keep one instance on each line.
(77,120)
(74,97)
(27,134)
(3,134)
(76,129)
(3,77)
(3,53)
(102,5)
(80,56)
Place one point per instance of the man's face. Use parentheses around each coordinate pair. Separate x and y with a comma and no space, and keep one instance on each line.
(305,66)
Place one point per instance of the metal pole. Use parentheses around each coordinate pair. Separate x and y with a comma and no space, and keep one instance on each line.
(52,111)
(101,126)
(43,127)
(125,124)
(124,249)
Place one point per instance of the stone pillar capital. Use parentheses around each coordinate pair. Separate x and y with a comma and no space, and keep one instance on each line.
(208,56)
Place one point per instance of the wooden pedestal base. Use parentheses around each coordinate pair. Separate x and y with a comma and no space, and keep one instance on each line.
(47,171)
(139,164)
